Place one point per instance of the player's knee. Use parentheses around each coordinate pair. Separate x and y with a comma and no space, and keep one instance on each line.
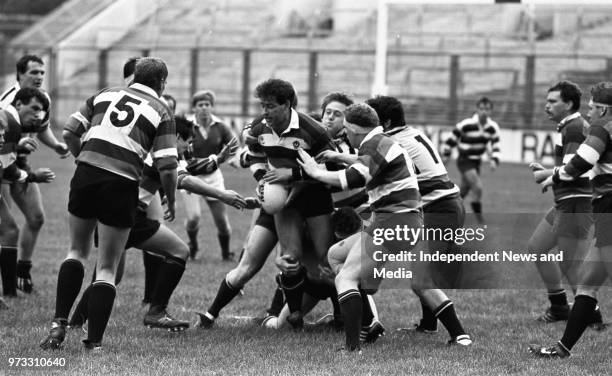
(193,222)
(225,229)
(36,221)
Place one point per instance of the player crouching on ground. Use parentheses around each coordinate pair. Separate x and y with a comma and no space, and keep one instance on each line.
(385,169)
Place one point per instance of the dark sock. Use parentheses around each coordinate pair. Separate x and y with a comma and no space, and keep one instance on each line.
(69,281)
(557,297)
(429,320)
(367,316)
(152,265)
(225,294)
(277,302)
(446,314)
(336,307)
(193,237)
(476,207)
(293,288)
(8,269)
(170,274)
(224,242)
(79,316)
(23,268)
(350,305)
(578,320)
(101,299)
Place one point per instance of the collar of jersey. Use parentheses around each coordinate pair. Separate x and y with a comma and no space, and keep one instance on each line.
(294,123)
(144,88)
(372,133)
(568,118)
(13,111)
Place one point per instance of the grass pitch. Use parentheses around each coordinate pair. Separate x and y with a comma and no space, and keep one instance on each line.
(501,322)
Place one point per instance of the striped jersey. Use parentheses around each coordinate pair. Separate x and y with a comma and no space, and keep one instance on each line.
(385,169)
(594,154)
(281,151)
(7,98)
(432,176)
(10,122)
(119,126)
(572,132)
(471,139)
(355,197)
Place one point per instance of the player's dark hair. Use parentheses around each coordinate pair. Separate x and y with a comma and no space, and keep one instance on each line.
(281,90)
(362,115)
(22,63)
(601,92)
(345,221)
(169,98)
(315,115)
(25,95)
(130,66)
(388,109)
(184,127)
(484,100)
(151,72)
(569,92)
(336,96)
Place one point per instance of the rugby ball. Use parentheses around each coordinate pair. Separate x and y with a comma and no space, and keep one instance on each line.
(272,197)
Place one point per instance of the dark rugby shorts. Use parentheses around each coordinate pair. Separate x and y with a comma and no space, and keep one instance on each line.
(313,200)
(573,217)
(99,194)
(465,164)
(602,212)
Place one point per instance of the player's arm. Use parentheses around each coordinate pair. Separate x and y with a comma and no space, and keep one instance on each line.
(352,177)
(493,149)
(452,141)
(165,160)
(48,138)
(197,186)
(77,124)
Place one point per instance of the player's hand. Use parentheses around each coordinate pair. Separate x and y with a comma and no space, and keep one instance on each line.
(43,175)
(287,264)
(229,150)
(62,149)
(28,143)
(536,166)
(327,156)
(234,162)
(232,198)
(252,203)
(308,163)
(326,272)
(548,182)
(278,176)
(170,211)
(540,175)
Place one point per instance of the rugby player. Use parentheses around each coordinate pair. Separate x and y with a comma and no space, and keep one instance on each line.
(30,74)
(118,127)
(211,135)
(472,136)
(594,155)
(568,224)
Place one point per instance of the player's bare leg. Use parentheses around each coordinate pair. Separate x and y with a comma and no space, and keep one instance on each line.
(193,212)
(475,187)
(224,229)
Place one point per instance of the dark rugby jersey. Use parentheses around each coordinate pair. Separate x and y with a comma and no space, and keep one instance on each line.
(471,139)
(385,169)
(281,151)
(572,132)
(594,154)
(119,126)
(211,141)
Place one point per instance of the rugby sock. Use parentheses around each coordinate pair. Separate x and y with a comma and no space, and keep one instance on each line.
(170,275)
(193,241)
(277,302)
(337,310)
(293,287)
(224,242)
(429,321)
(8,269)
(367,316)
(446,314)
(69,281)
(152,265)
(79,316)
(477,209)
(557,297)
(351,307)
(578,320)
(23,268)
(225,294)
(101,299)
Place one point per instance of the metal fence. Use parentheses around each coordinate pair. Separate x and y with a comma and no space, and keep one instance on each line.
(436,88)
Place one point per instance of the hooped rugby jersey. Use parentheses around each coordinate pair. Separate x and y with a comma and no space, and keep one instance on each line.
(10,122)
(471,139)
(386,170)
(594,154)
(432,175)
(281,151)
(572,132)
(119,126)
(357,197)
(151,181)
